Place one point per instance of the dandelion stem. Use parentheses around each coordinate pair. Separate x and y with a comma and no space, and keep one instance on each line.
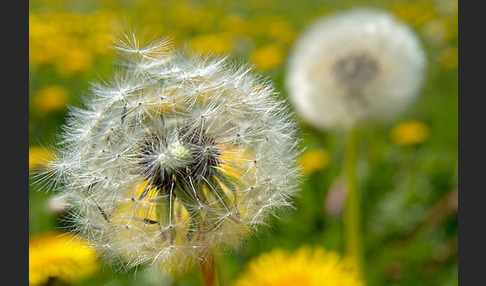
(209,270)
(352,215)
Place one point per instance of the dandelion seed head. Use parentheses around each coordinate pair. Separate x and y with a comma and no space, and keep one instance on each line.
(356,66)
(175,157)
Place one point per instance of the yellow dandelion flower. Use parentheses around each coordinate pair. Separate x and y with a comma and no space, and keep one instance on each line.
(313,161)
(417,13)
(69,42)
(100,42)
(409,133)
(305,267)
(102,24)
(282,30)
(235,24)
(59,256)
(212,44)
(452,27)
(186,16)
(76,59)
(436,31)
(50,99)
(38,157)
(449,58)
(268,56)
(42,46)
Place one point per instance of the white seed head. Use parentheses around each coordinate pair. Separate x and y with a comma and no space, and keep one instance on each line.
(177,156)
(355,66)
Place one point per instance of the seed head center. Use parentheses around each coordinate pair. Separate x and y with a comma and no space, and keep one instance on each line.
(162,157)
(355,69)
(178,151)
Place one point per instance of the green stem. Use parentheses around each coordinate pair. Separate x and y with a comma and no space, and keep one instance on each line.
(352,215)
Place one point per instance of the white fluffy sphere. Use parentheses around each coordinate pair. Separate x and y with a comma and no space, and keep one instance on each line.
(175,157)
(356,66)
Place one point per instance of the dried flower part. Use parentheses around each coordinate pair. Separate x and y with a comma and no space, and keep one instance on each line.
(355,66)
(175,157)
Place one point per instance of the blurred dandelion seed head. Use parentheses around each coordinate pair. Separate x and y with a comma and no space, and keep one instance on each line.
(173,158)
(355,66)
(355,69)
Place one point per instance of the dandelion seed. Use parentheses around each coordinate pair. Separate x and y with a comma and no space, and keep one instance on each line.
(356,66)
(172,159)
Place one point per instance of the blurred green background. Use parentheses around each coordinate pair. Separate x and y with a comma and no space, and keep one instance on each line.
(407,169)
